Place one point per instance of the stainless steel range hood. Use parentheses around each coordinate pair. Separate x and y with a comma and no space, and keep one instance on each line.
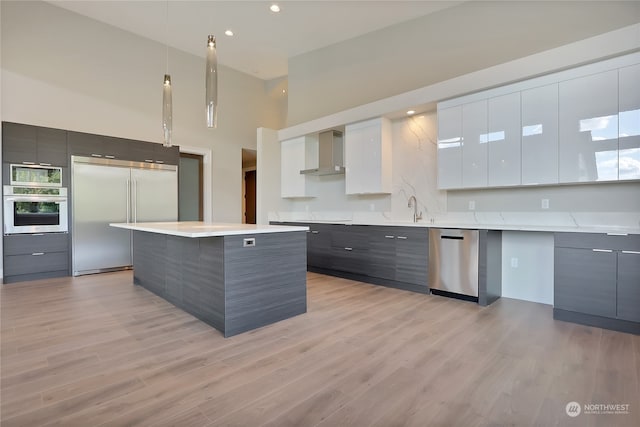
(330,155)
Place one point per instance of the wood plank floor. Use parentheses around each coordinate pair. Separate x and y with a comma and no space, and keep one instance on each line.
(97,350)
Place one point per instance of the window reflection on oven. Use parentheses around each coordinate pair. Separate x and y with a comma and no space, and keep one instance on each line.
(36,213)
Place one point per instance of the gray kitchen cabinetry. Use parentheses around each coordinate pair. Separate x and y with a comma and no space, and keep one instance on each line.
(26,144)
(35,256)
(153,153)
(318,245)
(597,280)
(99,146)
(382,255)
(628,302)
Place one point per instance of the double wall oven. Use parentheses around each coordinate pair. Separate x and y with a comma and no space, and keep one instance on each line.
(36,201)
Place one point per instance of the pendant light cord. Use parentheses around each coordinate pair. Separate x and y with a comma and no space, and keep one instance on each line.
(166,42)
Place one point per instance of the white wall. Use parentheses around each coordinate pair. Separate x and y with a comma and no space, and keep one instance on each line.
(446,44)
(63,70)
(527,266)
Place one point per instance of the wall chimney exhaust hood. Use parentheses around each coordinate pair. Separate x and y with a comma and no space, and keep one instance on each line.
(330,155)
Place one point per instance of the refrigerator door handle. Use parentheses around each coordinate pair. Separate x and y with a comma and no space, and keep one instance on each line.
(128,200)
(135,200)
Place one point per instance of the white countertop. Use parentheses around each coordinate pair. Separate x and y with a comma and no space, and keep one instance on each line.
(614,229)
(205,229)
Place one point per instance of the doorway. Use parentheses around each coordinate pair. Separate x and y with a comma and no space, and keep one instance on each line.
(249,166)
(190,187)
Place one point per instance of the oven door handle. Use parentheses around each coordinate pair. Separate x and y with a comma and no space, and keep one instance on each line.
(37,199)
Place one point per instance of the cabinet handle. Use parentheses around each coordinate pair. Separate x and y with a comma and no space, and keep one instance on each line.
(617,234)
(37,253)
(28,163)
(110,157)
(388,237)
(631,252)
(348,249)
(45,164)
(148,160)
(602,250)
(38,234)
(315,232)
(402,237)
(160,161)
(96,155)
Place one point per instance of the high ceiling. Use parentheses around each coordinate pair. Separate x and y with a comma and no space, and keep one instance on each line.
(263,41)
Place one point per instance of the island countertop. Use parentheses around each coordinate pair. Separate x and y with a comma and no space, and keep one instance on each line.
(197,229)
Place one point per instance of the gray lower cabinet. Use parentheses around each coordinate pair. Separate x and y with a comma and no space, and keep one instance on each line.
(585,281)
(384,255)
(597,280)
(628,303)
(35,256)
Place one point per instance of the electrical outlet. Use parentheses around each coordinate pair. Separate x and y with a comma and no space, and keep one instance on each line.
(514,262)
(306,208)
(472,205)
(372,207)
(545,203)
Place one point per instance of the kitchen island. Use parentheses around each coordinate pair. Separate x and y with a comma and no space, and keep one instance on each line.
(235,277)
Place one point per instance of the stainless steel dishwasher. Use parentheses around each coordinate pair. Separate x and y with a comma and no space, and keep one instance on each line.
(453,262)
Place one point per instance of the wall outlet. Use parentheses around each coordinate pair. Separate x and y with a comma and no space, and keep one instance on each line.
(514,262)
(545,203)
(306,208)
(372,207)
(472,205)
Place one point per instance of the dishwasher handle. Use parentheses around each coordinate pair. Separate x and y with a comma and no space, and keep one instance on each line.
(452,237)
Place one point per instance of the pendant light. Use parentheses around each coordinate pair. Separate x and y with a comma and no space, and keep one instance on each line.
(211,83)
(167,104)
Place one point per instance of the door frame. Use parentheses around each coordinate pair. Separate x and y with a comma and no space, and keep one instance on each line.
(206,178)
(200,160)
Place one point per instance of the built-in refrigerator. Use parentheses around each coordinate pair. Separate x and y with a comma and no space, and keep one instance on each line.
(106,191)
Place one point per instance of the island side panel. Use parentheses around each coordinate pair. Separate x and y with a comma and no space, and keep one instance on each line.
(187,272)
(264,283)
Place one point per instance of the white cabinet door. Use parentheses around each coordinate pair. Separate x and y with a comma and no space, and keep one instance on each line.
(588,148)
(503,140)
(292,161)
(450,148)
(540,135)
(367,149)
(629,122)
(474,147)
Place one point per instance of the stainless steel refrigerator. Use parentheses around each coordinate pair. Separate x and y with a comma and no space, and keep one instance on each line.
(106,191)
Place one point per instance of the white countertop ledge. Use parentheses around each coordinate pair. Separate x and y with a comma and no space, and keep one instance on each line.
(609,229)
(196,229)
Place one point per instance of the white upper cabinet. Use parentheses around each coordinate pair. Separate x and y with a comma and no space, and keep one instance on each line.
(503,140)
(450,147)
(588,148)
(540,135)
(367,149)
(293,159)
(629,122)
(474,144)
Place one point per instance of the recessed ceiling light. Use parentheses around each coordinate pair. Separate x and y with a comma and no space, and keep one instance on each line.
(228,33)
(274,8)
(411,112)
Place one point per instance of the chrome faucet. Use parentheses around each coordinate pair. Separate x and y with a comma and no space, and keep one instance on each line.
(413,203)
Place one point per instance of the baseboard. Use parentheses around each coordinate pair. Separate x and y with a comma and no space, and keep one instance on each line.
(597,321)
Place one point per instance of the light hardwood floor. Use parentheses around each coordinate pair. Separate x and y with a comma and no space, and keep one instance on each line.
(97,350)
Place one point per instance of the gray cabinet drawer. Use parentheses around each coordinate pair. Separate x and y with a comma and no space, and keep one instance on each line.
(349,236)
(355,261)
(629,286)
(29,264)
(26,244)
(585,281)
(630,242)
